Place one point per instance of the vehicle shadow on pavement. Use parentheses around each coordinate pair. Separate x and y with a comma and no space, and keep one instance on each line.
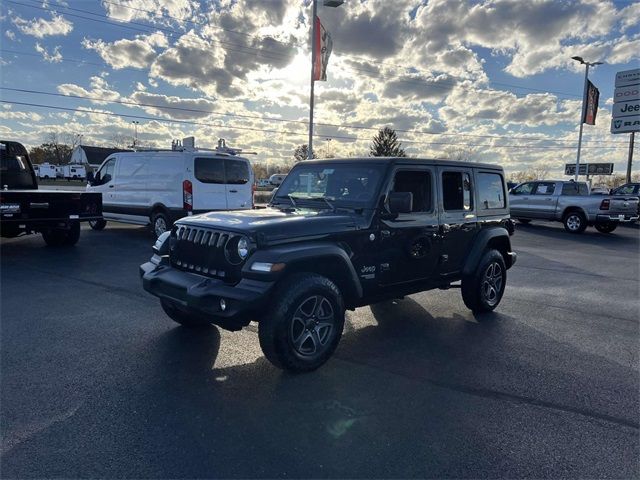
(621,237)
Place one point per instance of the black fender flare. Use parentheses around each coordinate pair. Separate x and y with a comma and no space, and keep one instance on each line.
(294,254)
(480,244)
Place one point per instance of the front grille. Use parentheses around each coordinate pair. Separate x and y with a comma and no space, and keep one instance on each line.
(201,250)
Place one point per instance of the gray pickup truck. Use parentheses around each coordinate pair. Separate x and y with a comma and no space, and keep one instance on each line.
(569,202)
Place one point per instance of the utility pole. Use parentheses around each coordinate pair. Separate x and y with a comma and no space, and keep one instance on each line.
(632,139)
(313,64)
(135,135)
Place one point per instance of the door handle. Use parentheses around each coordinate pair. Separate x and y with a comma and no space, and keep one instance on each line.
(110,186)
(233,191)
(548,199)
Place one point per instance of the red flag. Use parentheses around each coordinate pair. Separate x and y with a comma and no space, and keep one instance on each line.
(323,45)
(591,109)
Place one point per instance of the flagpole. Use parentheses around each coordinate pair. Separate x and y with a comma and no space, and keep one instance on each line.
(313,62)
(584,105)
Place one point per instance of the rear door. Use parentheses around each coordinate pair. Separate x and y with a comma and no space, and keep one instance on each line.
(209,187)
(458,221)
(239,184)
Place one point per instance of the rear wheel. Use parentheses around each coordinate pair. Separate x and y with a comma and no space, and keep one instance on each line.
(305,323)
(606,227)
(62,237)
(183,317)
(160,223)
(575,222)
(483,290)
(98,224)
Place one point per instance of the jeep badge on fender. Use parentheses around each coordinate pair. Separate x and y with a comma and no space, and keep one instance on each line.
(338,234)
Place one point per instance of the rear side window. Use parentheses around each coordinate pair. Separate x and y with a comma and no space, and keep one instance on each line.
(456,191)
(237,171)
(573,188)
(490,191)
(209,170)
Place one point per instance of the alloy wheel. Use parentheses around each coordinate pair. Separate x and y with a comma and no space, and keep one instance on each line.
(574,222)
(160,226)
(492,284)
(312,326)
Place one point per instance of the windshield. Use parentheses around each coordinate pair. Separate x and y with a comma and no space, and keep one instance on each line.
(340,184)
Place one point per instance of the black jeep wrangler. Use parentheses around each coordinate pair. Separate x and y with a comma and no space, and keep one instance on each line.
(338,234)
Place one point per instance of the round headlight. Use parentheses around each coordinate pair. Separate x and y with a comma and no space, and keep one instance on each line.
(243,248)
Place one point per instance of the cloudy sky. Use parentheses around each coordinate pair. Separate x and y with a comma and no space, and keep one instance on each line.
(490,79)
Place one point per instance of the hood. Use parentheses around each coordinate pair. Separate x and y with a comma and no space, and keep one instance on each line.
(273,225)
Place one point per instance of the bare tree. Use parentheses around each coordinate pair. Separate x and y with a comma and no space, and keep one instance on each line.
(459,154)
(119,140)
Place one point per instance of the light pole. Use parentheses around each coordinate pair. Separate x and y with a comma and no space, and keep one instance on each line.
(584,106)
(314,14)
(135,135)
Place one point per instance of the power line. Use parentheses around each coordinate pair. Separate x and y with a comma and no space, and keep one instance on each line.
(285,132)
(284,120)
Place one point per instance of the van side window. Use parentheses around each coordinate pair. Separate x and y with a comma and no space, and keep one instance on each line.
(209,170)
(491,191)
(418,182)
(456,191)
(237,171)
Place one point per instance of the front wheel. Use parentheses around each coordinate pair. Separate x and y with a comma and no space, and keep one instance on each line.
(575,222)
(61,237)
(606,227)
(304,325)
(98,224)
(483,289)
(160,223)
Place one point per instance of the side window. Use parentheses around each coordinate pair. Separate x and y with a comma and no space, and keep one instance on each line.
(490,191)
(106,172)
(524,189)
(237,171)
(209,170)
(545,188)
(573,188)
(456,191)
(418,182)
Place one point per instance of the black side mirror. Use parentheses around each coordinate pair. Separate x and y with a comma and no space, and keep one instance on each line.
(400,202)
(90,177)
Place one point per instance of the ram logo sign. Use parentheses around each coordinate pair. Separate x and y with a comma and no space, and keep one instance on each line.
(625,124)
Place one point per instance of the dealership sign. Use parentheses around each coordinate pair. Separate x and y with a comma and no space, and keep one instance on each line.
(589,169)
(626,102)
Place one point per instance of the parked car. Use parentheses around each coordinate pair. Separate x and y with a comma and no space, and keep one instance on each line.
(157,187)
(339,234)
(47,171)
(627,189)
(276,179)
(569,202)
(263,182)
(25,209)
(599,191)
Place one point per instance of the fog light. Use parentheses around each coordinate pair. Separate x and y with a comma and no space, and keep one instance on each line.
(223,305)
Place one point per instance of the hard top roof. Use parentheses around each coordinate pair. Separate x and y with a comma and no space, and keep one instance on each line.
(405,161)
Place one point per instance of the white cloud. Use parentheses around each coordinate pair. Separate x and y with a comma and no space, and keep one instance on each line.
(100,90)
(150,10)
(10,34)
(40,27)
(53,57)
(126,53)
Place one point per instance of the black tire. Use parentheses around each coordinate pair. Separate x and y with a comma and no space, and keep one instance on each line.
(160,223)
(525,221)
(97,224)
(293,335)
(574,221)
(606,227)
(184,318)
(482,291)
(62,237)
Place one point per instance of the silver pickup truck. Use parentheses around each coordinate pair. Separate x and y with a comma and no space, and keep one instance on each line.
(569,202)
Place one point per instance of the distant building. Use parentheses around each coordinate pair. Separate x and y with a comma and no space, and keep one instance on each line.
(92,156)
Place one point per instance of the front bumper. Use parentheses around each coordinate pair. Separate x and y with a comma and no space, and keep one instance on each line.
(202,295)
(621,218)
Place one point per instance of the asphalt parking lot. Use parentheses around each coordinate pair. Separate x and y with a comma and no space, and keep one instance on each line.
(97,382)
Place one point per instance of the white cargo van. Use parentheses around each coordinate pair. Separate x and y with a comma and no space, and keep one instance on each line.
(74,171)
(47,170)
(157,187)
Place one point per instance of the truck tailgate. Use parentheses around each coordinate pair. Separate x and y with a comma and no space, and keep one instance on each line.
(622,205)
(46,205)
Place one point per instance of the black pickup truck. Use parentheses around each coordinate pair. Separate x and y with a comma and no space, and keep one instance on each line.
(24,209)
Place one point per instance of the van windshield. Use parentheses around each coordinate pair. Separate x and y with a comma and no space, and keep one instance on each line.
(342,184)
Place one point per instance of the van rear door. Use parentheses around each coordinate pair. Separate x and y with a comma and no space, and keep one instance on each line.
(209,189)
(239,184)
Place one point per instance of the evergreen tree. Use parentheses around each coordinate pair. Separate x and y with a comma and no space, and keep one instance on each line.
(302,153)
(386,144)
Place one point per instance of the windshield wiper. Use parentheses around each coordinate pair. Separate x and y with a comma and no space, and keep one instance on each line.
(293,202)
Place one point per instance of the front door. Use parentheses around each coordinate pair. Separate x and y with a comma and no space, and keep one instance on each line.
(458,222)
(519,199)
(543,202)
(409,244)
(105,183)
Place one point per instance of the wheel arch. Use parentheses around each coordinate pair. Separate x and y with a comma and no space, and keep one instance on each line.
(574,208)
(493,238)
